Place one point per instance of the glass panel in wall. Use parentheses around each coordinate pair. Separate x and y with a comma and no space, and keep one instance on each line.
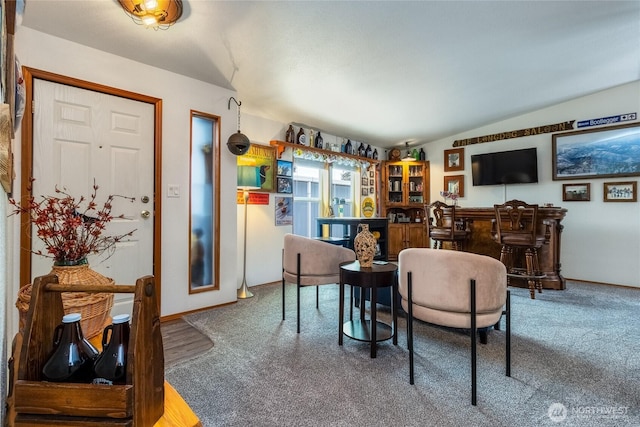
(204,203)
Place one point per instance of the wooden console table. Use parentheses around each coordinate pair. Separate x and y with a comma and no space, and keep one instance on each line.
(480,220)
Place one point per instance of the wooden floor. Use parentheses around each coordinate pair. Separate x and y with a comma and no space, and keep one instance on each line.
(182,341)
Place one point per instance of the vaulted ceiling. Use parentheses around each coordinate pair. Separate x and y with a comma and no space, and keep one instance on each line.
(384,72)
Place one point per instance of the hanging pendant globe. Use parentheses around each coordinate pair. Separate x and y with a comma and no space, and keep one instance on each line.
(238,143)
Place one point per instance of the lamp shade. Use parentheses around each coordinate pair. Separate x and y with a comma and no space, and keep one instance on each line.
(248,178)
(157,14)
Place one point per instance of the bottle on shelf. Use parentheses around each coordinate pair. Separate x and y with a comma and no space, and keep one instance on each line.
(415,154)
(423,155)
(290,135)
(319,141)
(347,147)
(301,138)
(374,156)
(362,150)
(368,153)
(111,365)
(72,357)
(312,140)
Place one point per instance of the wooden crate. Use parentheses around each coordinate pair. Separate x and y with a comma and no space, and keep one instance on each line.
(139,402)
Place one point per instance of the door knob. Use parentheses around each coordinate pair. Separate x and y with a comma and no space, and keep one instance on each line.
(145,214)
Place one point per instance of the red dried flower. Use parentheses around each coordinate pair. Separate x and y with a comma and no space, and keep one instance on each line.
(70,232)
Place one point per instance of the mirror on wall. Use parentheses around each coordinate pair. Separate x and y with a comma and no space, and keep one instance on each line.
(204,203)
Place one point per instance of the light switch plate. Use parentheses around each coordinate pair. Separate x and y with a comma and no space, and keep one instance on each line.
(173,190)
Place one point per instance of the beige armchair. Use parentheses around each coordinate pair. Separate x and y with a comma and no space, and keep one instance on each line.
(454,289)
(309,262)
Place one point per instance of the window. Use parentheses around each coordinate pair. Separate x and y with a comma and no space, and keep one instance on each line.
(306,197)
(309,179)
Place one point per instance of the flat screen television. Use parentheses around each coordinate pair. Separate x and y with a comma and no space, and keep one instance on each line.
(505,167)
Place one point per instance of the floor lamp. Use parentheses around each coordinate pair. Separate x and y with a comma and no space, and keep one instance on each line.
(248,179)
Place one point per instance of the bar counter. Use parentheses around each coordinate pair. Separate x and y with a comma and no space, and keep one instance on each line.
(480,220)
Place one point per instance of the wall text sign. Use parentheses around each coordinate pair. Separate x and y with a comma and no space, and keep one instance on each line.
(556,127)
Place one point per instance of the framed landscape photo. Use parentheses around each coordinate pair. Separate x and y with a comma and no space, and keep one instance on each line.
(454,184)
(454,160)
(621,191)
(606,152)
(285,168)
(576,192)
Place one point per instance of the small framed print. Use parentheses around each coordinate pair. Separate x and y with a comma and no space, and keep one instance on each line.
(285,185)
(454,184)
(621,191)
(454,160)
(576,192)
(285,168)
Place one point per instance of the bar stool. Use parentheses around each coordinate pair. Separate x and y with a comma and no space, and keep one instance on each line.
(516,229)
(444,227)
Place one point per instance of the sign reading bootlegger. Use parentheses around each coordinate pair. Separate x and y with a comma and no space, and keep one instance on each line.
(556,127)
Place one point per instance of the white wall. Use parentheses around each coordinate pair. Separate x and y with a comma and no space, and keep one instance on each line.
(179,95)
(600,241)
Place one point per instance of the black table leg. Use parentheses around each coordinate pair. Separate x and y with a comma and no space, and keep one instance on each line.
(374,332)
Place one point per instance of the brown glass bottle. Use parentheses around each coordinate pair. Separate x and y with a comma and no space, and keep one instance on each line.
(72,357)
(301,137)
(111,365)
(290,135)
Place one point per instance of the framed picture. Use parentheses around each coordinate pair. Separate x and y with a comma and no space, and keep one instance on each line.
(264,158)
(454,160)
(284,210)
(454,184)
(285,185)
(621,191)
(285,168)
(606,152)
(576,192)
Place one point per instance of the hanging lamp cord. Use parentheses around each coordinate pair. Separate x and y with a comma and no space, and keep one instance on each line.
(238,104)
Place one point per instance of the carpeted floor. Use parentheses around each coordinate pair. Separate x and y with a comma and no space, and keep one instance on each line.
(575,362)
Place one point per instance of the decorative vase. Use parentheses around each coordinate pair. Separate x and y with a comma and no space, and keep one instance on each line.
(95,308)
(365,245)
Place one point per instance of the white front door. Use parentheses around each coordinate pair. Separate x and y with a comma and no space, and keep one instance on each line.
(81,135)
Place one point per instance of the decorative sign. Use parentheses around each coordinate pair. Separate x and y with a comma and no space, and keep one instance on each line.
(263,157)
(556,127)
(368,207)
(608,120)
(254,198)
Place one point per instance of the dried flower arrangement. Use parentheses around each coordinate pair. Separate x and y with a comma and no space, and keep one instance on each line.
(71,232)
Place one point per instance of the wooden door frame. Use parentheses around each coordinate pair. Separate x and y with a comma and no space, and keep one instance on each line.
(29,74)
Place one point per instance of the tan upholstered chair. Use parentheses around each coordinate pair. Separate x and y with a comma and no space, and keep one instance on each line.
(309,262)
(445,227)
(457,290)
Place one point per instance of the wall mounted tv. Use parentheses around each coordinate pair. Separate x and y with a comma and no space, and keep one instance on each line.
(505,167)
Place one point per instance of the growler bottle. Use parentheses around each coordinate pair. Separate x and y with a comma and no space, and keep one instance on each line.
(423,155)
(72,357)
(111,365)
(375,154)
(289,136)
(368,153)
(347,147)
(301,138)
(319,140)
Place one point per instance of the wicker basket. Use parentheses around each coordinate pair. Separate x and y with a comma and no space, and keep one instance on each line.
(95,308)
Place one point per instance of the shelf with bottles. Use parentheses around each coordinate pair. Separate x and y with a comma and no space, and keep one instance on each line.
(282,145)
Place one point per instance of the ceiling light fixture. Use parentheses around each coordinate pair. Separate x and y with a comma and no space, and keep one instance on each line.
(238,143)
(408,157)
(157,14)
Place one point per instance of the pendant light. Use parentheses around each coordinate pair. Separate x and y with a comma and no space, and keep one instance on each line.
(156,14)
(238,143)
